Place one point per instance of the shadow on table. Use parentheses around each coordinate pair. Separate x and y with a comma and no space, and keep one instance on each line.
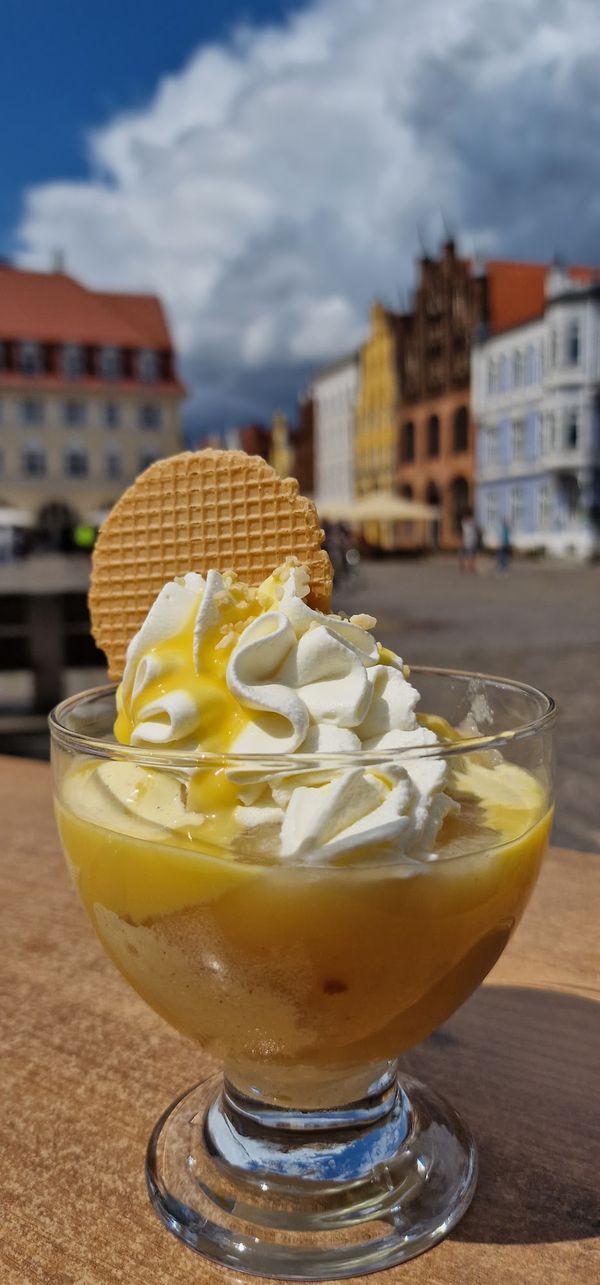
(523,1066)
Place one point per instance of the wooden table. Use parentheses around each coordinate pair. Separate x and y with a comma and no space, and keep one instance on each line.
(87,1068)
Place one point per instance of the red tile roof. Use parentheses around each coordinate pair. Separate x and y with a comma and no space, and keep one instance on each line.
(516,291)
(51,307)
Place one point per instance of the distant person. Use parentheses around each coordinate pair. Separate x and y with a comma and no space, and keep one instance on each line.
(504,553)
(470,541)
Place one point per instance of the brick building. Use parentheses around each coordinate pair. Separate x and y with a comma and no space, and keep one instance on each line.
(435,436)
(89,396)
(303,467)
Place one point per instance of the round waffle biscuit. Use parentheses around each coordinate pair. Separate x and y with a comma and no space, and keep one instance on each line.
(202,510)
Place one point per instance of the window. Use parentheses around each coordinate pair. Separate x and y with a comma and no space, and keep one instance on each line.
(491,510)
(492,377)
(30,359)
(2,357)
(112,415)
(433,435)
(33,461)
(75,414)
(550,433)
(72,361)
(150,416)
(531,366)
(572,430)
(147,364)
(146,459)
(544,506)
(553,349)
(518,440)
(110,363)
(32,411)
(503,377)
(517,508)
(113,464)
(573,344)
(460,436)
(518,369)
(407,442)
(75,462)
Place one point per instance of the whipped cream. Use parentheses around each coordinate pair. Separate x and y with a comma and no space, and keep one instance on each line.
(223,668)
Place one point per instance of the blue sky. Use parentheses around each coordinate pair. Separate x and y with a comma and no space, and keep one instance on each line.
(269,169)
(69,65)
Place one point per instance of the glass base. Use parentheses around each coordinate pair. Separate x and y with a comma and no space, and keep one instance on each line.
(311,1195)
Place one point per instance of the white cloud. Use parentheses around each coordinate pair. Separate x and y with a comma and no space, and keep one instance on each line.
(277,182)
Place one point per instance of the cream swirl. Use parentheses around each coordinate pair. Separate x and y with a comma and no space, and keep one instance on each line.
(220,667)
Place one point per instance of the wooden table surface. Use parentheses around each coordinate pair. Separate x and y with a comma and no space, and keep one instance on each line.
(87,1069)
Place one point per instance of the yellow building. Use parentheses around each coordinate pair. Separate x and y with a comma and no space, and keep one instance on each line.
(281,454)
(377,406)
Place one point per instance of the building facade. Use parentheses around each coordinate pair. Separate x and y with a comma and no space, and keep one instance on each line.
(334,392)
(377,409)
(89,397)
(536,404)
(435,440)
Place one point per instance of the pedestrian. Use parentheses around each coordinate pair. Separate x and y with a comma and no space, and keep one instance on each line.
(504,553)
(470,541)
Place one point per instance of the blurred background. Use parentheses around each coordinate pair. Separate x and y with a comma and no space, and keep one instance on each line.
(360,238)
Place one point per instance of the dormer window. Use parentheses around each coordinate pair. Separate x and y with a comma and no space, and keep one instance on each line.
(147,364)
(111,364)
(72,361)
(30,359)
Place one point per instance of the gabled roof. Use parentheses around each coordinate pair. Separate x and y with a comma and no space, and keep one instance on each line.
(51,307)
(515,291)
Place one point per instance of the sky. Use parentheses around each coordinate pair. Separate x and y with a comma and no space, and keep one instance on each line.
(270,169)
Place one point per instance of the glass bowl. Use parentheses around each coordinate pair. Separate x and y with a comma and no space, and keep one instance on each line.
(312,1156)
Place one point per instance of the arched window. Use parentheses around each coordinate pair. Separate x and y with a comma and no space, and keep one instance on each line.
(406,491)
(459,493)
(492,376)
(518,368)
(407,442)
(503,377)
(553,348)
(75,462)
(573,343)
(460,435)
(433,435)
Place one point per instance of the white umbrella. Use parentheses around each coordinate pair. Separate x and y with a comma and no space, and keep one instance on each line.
(384,506)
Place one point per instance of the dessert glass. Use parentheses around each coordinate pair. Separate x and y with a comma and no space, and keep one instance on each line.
(313,1156)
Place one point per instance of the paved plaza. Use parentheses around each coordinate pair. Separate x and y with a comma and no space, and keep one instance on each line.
(539,623)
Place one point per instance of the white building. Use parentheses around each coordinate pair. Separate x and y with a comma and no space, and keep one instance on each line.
(536,406)
(334,392)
